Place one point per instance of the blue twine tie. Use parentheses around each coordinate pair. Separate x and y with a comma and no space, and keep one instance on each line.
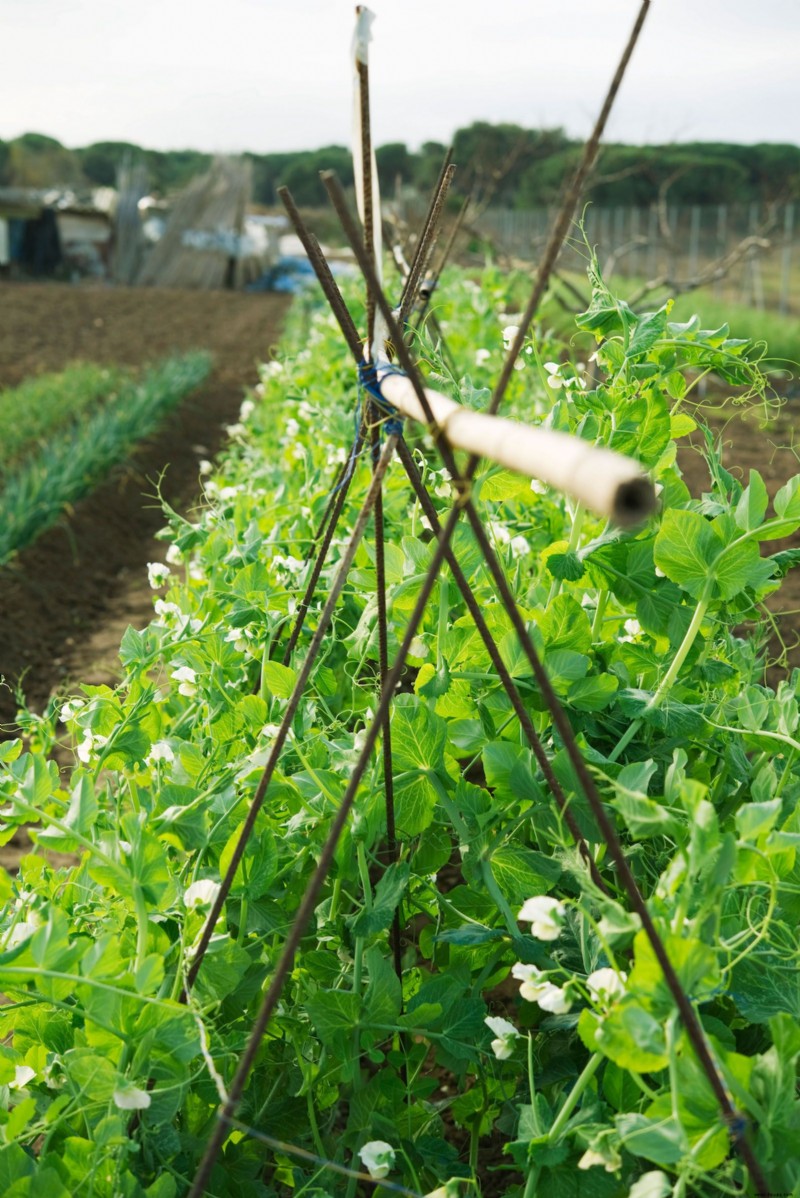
(368,380)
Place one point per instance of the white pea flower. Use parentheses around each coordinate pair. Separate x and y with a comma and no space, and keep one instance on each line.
(538,487)
(339,457)
(157,574)
(235,430)
(227,493)
(418,648)
(606,984)
(450,1189)
(86,747)
(187,678)
(166,610)
(481,356)
(291,428)
(509,335)
(246,410)
(506,1035)
(536,988)
(610,1160)
(293,564)
(532,979)
(546,916)
(174,555)
(21,931)
(425,522)
(22,1075)
(519,546)
(499,532)
(201,894)
(161,751)
(272,368)
(205,467)
(554,1000)
(70,709)
(131,1098)
(239,637)
(270,731)
(377,1158)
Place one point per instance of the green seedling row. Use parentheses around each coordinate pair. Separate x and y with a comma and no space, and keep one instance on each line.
(32,412)
(74,458)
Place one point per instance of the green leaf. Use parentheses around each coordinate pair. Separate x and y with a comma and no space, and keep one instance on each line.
(685,549)
(256,870)
(752,506)
(756,819)
(418,740)
(469,935)
(649,329)
(382,999)
(764,984)
(631,1037)
(594,693)
(279,680)
(565,625)
(388,893)
(661,1141)
(522,873)
(787,500)
(566,567)
(418,736)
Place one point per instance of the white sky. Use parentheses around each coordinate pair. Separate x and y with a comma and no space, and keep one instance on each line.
(275,74)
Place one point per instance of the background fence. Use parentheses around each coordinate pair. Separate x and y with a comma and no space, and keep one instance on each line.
(678,243)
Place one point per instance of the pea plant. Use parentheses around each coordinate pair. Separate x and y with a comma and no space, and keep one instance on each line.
(481,1010)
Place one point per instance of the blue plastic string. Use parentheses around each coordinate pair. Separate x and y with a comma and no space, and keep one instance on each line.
(368,380)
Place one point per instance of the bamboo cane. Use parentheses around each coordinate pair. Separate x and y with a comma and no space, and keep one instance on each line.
(608,483)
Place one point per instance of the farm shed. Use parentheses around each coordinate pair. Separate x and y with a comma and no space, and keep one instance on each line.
(29,235)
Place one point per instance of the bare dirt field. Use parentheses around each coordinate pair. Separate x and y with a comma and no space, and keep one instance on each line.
(66,600)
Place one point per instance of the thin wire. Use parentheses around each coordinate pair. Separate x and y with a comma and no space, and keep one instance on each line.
(312,1158)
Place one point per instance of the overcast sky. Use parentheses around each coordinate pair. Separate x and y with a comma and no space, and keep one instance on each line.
(275,74)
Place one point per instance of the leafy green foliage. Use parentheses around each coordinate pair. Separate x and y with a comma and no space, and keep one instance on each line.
(112,1085)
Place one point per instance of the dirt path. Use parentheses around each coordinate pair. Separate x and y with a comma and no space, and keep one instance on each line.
(65,601)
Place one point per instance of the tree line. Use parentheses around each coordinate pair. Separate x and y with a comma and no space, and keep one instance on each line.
(504,164)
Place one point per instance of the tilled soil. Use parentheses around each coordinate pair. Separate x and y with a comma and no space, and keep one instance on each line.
(66,600)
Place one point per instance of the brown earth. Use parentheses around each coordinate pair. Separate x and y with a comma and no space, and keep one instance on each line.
(66,600)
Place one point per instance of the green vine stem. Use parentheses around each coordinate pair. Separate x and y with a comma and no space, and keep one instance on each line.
(666,684)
